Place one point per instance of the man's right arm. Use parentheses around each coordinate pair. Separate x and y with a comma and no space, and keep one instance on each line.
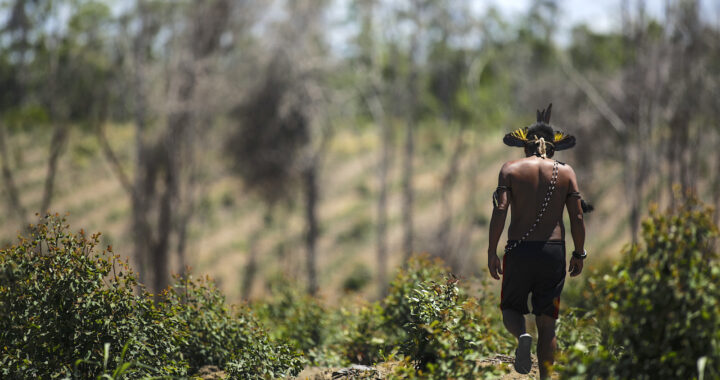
(497,222)
(577,223)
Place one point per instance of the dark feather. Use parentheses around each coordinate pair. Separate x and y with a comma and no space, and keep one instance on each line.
(511,140)
(539,116)
(566,143)
(547,114)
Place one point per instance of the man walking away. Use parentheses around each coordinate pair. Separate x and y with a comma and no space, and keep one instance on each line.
(537,189)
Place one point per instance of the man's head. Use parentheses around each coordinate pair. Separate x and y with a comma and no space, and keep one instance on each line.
(538,134)
(540,138)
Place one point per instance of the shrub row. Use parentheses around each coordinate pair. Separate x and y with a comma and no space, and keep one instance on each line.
(657,312)
(69,311)
(427,322)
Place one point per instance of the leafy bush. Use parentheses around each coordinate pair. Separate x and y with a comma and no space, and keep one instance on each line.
(397,304)
(439,330)
(659,311)
(425,319)
(214,334)
(303,321)
(365,338)
(448,332)
(60,301)
(63,307)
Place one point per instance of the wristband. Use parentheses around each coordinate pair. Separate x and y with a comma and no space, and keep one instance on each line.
(579,255)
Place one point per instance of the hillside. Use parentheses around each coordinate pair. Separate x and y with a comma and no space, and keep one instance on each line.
(227,217)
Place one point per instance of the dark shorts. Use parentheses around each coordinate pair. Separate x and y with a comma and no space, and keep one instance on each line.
(536,267)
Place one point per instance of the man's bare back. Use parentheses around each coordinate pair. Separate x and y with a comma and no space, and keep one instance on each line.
(528,180)
(522,186)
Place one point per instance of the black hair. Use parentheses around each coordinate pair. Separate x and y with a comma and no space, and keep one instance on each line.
(539,130)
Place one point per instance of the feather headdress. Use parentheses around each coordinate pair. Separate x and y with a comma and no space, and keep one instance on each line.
(521,137)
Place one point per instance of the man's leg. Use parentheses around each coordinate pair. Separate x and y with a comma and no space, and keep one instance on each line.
(514,322)
(547,343)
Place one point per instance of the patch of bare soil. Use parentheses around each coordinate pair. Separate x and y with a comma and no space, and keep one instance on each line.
(354,372)
(210,372)
(503,363)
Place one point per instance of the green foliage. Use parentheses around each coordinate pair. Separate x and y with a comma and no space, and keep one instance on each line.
(60,301)
(600,52)
(301,320)
(659,311)
(397,304)
(426,321)
(448,333)
(63,307)
(440,330)
(212,333)
(365,338)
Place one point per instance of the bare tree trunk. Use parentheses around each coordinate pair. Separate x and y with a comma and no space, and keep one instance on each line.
(250,268)
(14,202)
(182,228)
(311,229)
(408,157)
(144,181)
(113,160)
(380,118)
(60,131)
(407,190)
(382,212)
(716,189)
(160,251)
(187,200)
(171,153)
(57,144)
(464,258)
(446,213)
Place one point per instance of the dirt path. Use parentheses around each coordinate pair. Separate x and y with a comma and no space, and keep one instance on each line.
(501,362)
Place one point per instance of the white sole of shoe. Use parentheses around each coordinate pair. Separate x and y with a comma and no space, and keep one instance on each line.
(523,362)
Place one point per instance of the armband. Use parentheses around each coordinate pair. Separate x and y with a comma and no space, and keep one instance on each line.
(496,195)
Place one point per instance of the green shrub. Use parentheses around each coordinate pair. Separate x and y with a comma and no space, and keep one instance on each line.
(448,332)
(214,334)
(440,331)
(659,311)
(397,304)
(426,320)
(63,308)
(365,338)
(303,321)
(60,301)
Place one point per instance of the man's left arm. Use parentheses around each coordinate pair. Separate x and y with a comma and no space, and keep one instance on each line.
(501,203)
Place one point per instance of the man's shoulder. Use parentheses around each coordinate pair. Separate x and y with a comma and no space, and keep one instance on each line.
(509,165)
(565,167)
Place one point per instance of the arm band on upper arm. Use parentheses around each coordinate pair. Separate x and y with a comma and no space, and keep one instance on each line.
(574,194)
(496,195)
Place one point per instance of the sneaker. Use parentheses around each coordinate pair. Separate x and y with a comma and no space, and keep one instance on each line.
(523,363)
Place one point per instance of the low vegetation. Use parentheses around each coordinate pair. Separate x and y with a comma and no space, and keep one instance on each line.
(657,313)
(69,310)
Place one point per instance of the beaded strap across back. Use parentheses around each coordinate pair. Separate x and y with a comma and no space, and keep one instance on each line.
(541,212)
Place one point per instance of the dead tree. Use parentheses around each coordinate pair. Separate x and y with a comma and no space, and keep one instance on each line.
(161,162)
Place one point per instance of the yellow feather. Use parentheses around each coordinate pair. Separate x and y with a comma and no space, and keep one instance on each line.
(559,136)
(521,133)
